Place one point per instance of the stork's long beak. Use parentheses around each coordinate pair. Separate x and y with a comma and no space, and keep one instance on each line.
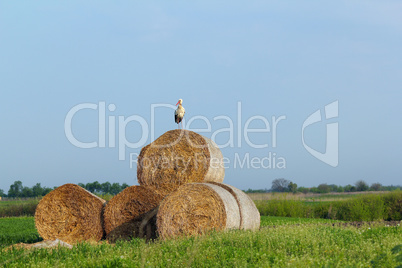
(177,102)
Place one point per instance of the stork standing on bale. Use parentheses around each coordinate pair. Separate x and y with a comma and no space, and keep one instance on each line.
(179,113)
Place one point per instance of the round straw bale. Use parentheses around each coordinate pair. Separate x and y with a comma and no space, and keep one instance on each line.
(178,157)
(197,208)
(71,214)
(126,209)
(249,214)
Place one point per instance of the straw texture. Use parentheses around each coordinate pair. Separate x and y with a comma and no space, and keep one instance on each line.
(249,214)
(178,157)
(197,208)
(70,213)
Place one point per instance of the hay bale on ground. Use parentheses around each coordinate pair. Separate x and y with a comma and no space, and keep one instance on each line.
(249,215)
(70,213)
(125,212)
(178,157)
(197,208)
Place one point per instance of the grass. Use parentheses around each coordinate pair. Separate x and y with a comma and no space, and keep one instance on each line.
(16,230)
(16,208)
(367,207)
(281,242)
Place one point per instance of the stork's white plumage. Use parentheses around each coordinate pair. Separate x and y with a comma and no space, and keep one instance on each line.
(179,113)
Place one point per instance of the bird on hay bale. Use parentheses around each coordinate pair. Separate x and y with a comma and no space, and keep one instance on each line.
(179,113)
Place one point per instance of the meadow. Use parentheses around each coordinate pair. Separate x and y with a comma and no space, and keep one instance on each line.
(280,242)
(18,207)
(361,207)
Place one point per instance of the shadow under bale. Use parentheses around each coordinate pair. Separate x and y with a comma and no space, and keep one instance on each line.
(144,226)
(126,211)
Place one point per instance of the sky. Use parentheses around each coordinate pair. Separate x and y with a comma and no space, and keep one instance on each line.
(303,90)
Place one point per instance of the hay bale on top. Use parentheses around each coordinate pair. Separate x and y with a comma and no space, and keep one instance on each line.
(178,157)
(249,215)
(125,211)
(70,213)
(197,208)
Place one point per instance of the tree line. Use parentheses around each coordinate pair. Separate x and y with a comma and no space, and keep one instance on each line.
(283,185)
(17,190)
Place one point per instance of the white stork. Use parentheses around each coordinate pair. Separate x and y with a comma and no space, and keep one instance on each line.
(179,113)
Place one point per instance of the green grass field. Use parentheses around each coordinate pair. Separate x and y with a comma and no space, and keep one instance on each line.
(281,242)
(18,229)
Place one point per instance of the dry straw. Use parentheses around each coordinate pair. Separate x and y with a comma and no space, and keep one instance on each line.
(197,208)
(71,214)
(178,157)
(128,214)
(249,214)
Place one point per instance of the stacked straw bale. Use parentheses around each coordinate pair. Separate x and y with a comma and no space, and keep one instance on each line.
(197,208)
(178,157)
(129,213)
(180,193)
(249,214)
(71,214)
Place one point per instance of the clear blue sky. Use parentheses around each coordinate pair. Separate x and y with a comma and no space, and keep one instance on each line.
(277,58)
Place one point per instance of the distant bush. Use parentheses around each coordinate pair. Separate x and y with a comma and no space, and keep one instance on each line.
(282,208)
(18,208)
(393,205)
(360,208)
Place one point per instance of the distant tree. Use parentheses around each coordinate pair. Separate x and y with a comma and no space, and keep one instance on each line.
(15,189)
(334,188)
(340,189)
(280,185)
(2,193)
(292,187)
(349,188)
(93,187)
(124,186)
(106,186)
(323,188)
(37,190)
(303,190)
(251,191)
(97,186)
(314,190)
(26,192)
(375,186)
(46,190)
(361,185)
(391,187)
(115,188)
